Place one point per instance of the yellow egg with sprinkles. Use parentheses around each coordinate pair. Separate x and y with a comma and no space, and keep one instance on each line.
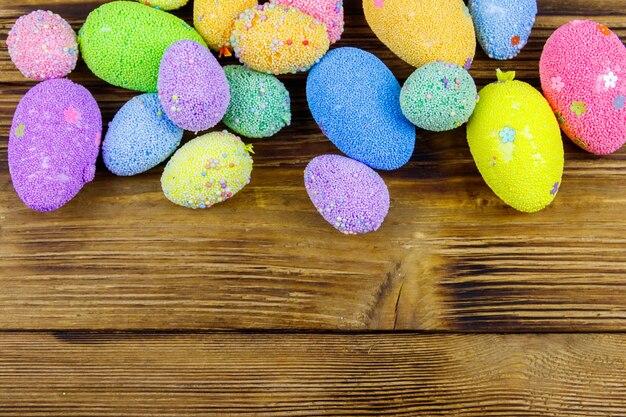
(208,170)
(516,143)
(424,31)
(278,39)
(214,20)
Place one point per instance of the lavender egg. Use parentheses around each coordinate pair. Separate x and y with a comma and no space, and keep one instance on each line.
(192,86)
(53,143)
(350,196)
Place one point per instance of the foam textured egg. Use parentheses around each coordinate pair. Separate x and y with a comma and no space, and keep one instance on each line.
(583,76)
(350,196)
(355,100)
(503,26)
(329,12)
(42,45)
(423,31)
(207,170)
(122,42)
(214,20)
(260,105)
(278,39)
(164,4)
(139,137)
(439,96)
(53,143)
(193,88)
(516,143)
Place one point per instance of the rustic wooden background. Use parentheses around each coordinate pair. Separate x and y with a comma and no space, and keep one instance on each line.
(122,304)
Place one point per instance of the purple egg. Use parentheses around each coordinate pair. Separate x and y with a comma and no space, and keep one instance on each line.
(193,88)
(53,143)
(348,194)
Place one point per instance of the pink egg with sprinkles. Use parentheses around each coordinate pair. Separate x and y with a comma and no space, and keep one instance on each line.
(53,143)
(193,88)
(42,45)
(583,76)
(349,195)
(328,12)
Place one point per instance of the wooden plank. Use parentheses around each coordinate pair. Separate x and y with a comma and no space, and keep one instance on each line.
(450,257)
(311,375)
(121,257)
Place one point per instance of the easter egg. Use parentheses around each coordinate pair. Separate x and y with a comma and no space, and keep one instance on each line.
(140,137)
(583,76)
(349,195)
(207,170)
(516,143)
(193,88)
(53,143)
(278,39)
(438,97)
(423,31)
(259,105)
(329,12)
(355,100)
(214,20)
(42,45)
(164,4)
(503,26)
(122,42)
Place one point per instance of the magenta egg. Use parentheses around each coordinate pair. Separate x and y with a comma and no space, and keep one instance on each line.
(583,76)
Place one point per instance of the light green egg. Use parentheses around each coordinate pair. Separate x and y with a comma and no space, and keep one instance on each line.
(122,42)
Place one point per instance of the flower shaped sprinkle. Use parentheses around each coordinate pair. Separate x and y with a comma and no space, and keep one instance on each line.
(508,135)
(19,131)
(610,80)
(557,84)
(619,102)
(555,188)
(579,108)
(604,30)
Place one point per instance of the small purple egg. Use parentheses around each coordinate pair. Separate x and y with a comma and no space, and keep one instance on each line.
(53,143)
(348,194)
(192,85)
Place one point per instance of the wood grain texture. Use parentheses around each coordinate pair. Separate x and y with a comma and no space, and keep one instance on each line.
(450,257)
(312,375)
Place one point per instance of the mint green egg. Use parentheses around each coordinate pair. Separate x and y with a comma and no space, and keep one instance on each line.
(122,43)
(259,104)
(439,96)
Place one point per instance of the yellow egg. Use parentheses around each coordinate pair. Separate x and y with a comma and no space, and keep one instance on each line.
(214,20)
(516,143)
(208,170)
(423,31)
(278,39)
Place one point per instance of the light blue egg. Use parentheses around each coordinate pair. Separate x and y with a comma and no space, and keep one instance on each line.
(355,100)
(140,137)
(503,26)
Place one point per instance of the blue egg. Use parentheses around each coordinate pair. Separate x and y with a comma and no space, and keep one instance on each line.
(355,100)
(503,26)
(140,137)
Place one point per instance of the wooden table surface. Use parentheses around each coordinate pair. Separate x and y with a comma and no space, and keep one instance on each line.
(123,304)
